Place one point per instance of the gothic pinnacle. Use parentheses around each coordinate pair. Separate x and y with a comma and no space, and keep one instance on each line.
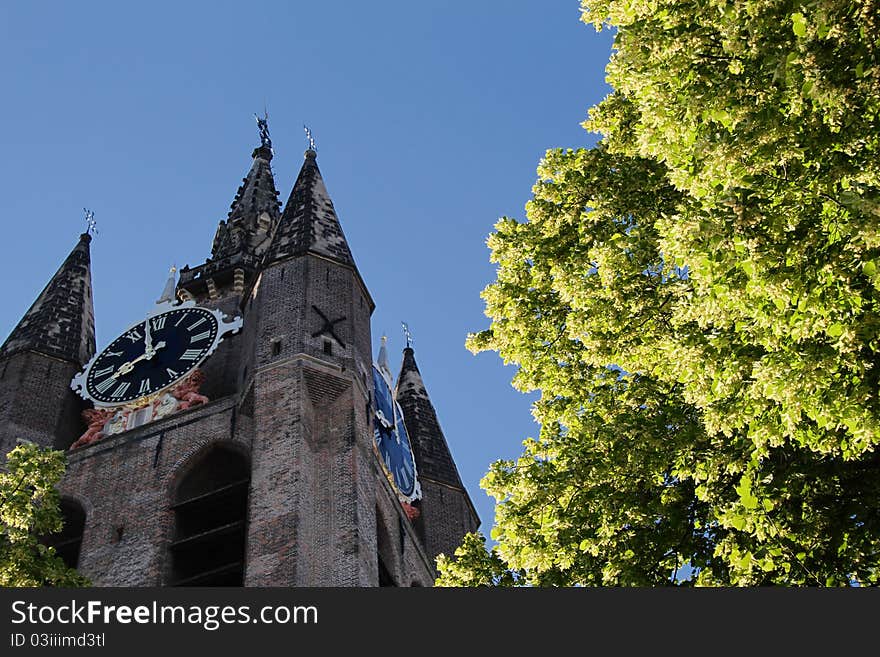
(309,223)
(61,321)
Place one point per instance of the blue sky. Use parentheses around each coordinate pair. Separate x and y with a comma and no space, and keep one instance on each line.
(430,119)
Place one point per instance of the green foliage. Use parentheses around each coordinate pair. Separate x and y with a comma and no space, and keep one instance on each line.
(29,510)
(696,298)
(473,565)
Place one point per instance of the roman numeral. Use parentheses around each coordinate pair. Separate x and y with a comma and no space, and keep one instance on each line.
(182,317)
(158,323)
(145,387)
(105,385)
(198,323)
(113,353)
(171,373)
(133,335)
(200,336)
(121,389)
(190,354)
(103,372)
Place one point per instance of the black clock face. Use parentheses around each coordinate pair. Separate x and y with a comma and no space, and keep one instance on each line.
(149,357)
(391,438)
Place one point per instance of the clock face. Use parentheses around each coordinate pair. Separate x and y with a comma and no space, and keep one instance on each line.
(391,439)
(152,355)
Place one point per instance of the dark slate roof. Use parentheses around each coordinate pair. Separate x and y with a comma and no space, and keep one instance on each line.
(241,231)
(61,322)
(309,223)
(433,458)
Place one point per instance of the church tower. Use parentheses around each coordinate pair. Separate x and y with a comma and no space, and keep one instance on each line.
(447,512)
(257,465)
(305,382)
(50,344)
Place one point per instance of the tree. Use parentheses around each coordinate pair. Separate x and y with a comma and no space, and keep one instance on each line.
(696,298)
(29,510)
(474,565)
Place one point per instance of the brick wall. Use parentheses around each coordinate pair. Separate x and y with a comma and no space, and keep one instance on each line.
(37,403)
(126,485)
(448,514)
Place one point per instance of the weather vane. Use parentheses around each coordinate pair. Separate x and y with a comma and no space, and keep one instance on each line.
(263,125)
(90,220)
(408,335)
(311,139)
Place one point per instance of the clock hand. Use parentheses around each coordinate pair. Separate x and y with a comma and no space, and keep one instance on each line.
(125,368)
(148,339)
(383,420)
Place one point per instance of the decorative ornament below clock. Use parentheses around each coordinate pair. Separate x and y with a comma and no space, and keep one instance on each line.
(150,370)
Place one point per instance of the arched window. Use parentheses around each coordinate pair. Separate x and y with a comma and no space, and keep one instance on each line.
(210,522)
(68,541)
(384,552)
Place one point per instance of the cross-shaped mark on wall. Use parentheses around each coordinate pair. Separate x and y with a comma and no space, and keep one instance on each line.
(327,328)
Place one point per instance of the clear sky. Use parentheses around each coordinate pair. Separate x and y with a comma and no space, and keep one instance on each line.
(429,118)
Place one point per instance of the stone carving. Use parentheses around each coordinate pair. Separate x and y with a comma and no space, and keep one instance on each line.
(412,512)
(117,423)
(108,421)
(187,392)
(165,405)
(95,418)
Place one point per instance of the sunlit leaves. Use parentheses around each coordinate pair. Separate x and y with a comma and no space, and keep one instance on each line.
(28,511)
(715,258)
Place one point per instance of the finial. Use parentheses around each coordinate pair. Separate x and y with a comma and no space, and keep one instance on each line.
(263,125)
(408,335)
(382,360)
(311,139)
(168,292)
(92,224)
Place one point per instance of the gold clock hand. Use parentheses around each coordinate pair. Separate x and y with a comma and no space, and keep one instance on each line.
(125,368)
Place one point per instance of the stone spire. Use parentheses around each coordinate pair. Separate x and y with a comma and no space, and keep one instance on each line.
(382,358)
(254,211)
(447,512)
(433,459)
(170,286)
(61,322)
(309,223)
(241,239)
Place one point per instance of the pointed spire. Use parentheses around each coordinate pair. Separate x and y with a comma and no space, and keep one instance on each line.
(433,458)
(255,209)
(170,286)
(61,322)
(309,223)
(382,359)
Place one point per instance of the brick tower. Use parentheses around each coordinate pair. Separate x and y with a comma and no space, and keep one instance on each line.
(266,474)
(447,512)
(50,344)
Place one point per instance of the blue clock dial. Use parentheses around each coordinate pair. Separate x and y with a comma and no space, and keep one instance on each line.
(391,440)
